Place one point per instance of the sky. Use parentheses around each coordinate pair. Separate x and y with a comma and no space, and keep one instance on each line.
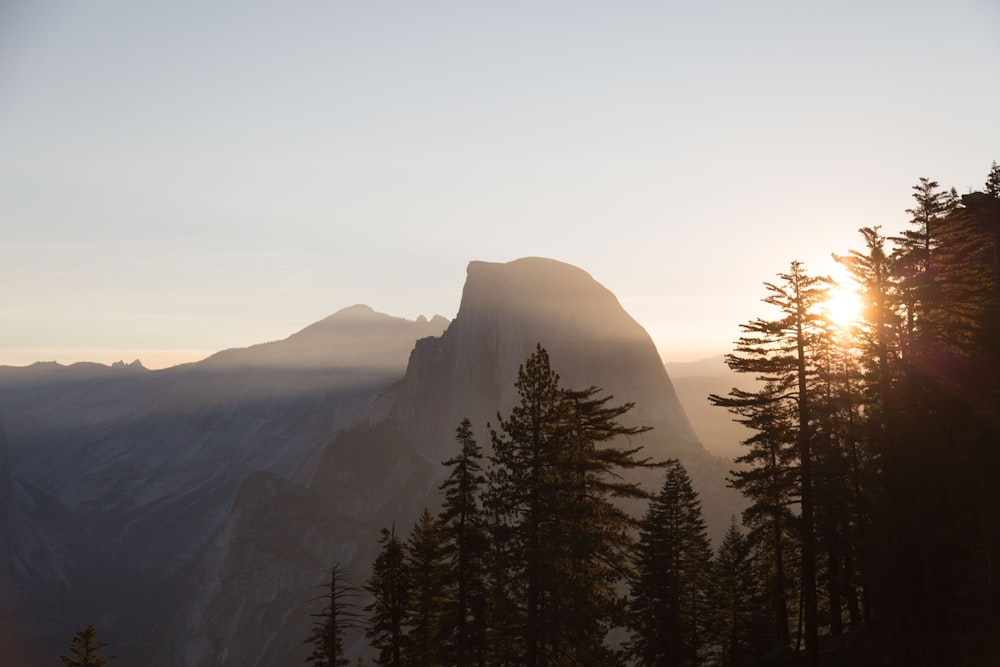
(179,178)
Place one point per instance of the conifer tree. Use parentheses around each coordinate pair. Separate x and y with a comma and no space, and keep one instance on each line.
(993,181)
(87,650)
(463,527)
(338,615)
(596,533)
(426,576)
(929,461)
(387,611)
(555,477)
(767,478)
(734,591)
(780,352)
(503,614)
(670,610)
(523,487)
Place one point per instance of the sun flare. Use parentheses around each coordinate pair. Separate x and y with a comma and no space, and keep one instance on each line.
(843,306)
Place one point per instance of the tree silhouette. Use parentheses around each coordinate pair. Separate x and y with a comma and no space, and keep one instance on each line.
(87,650)
(340,613)
(671,613)
(462,523)
(426,576)
(780,352)
(387,611)
(556,472)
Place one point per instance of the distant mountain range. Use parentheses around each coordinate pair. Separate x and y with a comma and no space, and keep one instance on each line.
(716,430)
(188,513)
(119,477)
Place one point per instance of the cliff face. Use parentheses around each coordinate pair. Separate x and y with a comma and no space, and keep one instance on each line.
(508,309)
(386,467)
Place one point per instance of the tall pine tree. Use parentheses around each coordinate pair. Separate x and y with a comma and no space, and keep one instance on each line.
(554,484)
(387,611)
(670,609)
(781,352)
(426,576)
(463,526)
(734,591)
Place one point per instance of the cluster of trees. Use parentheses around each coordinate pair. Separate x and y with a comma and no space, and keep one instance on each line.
(533,561)
(874,468)
(872,475)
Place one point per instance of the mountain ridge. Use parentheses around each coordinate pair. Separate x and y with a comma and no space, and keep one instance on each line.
(149,463)
(217,492)
(386,466)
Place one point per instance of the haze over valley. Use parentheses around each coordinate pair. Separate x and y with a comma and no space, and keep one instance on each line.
(206,499)
(499,334)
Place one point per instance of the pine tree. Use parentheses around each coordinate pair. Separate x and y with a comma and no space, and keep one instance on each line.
(734,591)
(931,460)
(340,614)
(463,526)
(86,650)
(387,611)
(426,576)
(596,533)
(780,352)
(767,478)
(992,186)
(555,478)
(670,610)
(523,485)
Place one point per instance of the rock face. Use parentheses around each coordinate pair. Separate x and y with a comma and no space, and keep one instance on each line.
(120,477)
(386,467)
(508,309)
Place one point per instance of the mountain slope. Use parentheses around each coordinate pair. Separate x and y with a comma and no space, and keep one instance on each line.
(148,463)
(387,466)
(715,427)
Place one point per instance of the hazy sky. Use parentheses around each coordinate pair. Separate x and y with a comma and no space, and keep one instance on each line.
(182,177)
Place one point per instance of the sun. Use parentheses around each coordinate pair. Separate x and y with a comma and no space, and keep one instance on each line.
(843,306)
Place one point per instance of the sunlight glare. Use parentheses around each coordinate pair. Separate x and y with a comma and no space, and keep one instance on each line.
(843,307)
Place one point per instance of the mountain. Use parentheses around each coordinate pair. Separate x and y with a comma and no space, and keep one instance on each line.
(715,427)
(280,539)
(120,477)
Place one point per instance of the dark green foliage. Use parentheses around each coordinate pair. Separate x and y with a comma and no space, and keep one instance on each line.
(671,613)
(426,576)
(463,526)
(735,596)
(388,585)
(339,614)
(87,650)
(523,491)
(565,544)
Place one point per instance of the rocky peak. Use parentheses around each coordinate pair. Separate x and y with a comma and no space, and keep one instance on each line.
(506,310)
